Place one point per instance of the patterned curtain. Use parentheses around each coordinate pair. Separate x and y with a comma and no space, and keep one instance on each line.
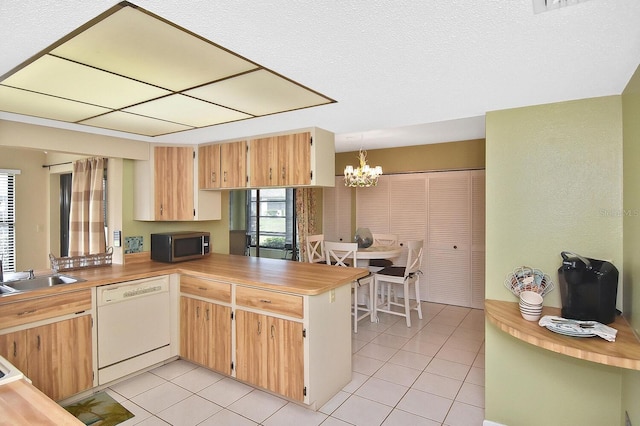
(86,219)
(305,217)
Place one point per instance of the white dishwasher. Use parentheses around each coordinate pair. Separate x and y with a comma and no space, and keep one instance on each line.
(134,326)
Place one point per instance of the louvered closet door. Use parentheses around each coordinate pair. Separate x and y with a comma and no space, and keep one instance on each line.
(477,238)
(408,215)
(336,212)
(373,207)
(449,236)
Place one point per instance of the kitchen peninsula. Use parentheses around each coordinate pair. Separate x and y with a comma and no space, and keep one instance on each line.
(281,314)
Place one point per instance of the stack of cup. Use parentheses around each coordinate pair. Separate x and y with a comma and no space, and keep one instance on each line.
(530,305)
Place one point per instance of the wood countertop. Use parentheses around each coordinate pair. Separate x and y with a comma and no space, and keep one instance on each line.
(307,279)
(624,352)
(23,404)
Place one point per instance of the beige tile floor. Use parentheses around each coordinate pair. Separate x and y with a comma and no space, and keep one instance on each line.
(429,374)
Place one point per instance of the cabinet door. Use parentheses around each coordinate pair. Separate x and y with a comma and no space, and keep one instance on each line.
(173,182)
(193,342)
(209,166)
(251,348)
(233,160)
(217,326)
(294,159)
(264,161)
(205,334)
(285,371)
(13,347)
(59,358)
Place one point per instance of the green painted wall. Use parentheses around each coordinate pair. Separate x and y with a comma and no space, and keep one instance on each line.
(631,133)
(219,229)
(554,182)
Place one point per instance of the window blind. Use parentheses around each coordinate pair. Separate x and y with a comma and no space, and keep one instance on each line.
(7,219)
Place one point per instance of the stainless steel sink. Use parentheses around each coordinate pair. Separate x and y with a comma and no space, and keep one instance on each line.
(39,282)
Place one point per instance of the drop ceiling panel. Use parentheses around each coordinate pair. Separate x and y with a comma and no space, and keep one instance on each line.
(135,44)
(259,93)
(137,124)
(38,105)
(58,77)
(188,111)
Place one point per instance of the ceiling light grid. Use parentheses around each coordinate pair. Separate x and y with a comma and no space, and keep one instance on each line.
(132,71)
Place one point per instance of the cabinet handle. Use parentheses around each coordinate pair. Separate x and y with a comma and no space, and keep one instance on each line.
(283,172)
(259,327)
(15,349)
(269,173)
(273,331)
(26,313)
(225,176)
(207,314)
(161,209)
(203,288)
(265,301)
(197,311)
(38,342)
(213,177)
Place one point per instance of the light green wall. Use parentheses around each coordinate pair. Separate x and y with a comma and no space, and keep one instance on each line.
(631,132)
(554,183)
(219,229)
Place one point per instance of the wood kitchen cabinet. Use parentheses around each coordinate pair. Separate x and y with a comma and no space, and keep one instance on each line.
(298,158)
(223,165)
(165,187)
(205,326)
(270,353)
(57,356)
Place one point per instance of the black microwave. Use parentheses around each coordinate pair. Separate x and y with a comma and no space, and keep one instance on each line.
(179,246)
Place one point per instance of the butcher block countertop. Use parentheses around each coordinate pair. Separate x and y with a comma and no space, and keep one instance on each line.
(624,352)
(23,404)
(306,279)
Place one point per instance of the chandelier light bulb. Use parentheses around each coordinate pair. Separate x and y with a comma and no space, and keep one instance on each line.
(362,176)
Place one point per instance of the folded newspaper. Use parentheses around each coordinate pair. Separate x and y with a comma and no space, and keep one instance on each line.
(578,328)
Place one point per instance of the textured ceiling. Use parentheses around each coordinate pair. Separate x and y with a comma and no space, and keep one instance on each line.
(394,68)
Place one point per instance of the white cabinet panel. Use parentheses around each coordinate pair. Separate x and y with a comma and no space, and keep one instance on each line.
(373,207)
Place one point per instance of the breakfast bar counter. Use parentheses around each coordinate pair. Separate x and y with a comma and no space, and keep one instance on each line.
(624,352)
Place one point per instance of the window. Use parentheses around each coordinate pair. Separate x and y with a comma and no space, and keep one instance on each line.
(271,219)
(7,219)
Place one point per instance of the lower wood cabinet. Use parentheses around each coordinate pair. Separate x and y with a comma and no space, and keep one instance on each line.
(205,334)
(270,353)
(57,357)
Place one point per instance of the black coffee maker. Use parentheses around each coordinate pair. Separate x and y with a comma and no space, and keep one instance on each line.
(588,288)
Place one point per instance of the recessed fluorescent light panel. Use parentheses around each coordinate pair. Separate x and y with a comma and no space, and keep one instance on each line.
(132,71)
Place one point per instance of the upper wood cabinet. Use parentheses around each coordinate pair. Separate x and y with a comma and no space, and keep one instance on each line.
(165,189)
(303,157)
(223,165)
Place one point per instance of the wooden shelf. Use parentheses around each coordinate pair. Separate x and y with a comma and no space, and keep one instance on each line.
(624,352)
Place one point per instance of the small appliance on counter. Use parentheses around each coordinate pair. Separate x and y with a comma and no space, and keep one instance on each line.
(179,246)
(588,288)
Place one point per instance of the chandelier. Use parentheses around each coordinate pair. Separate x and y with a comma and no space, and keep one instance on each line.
(363,176)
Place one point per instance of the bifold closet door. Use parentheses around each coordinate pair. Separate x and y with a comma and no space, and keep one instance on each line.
(336,212)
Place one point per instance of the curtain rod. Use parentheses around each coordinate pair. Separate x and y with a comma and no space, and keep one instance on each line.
(57,164)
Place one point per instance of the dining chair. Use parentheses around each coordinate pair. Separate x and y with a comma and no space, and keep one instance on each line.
(401,275)
(315,248)
(382,240)
(346,255)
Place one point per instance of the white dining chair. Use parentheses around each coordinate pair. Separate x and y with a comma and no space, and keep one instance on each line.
(405,276)
(346,255)
(315,248)
(382,240)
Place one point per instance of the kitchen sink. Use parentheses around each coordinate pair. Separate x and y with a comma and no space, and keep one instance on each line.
(38,282)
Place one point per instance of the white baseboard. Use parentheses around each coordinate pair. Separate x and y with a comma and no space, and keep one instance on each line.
(490,423)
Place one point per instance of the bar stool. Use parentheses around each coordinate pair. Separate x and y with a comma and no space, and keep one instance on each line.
(402,275)
(341,254)
(315,248)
